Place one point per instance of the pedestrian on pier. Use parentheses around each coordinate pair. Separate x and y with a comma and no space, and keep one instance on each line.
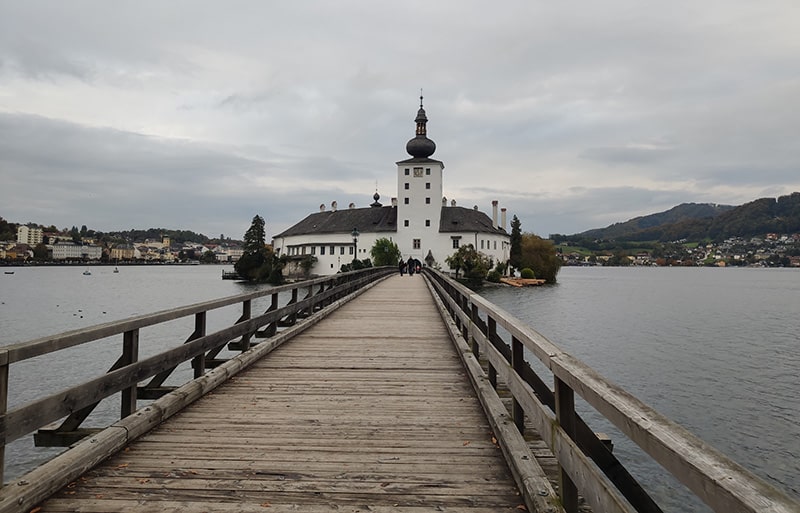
(410,266)
(402,266)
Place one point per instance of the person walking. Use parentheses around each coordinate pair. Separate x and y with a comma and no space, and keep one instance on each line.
(402,266)
(410,266)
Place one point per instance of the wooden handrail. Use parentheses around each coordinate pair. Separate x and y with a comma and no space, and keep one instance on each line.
(713,477)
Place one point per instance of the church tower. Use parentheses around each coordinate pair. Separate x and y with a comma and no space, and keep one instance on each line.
(419,193)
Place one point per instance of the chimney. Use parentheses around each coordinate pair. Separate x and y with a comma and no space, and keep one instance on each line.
(475,208)
(494,213)
(444,202)
(452,203)
(351,206)
(394,202)
(334,206)
(322,207)
(503,218)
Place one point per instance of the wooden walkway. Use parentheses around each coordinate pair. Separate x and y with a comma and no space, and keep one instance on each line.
(369,410)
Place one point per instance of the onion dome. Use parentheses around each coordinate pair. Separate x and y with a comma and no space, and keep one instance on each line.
(420,146)
(376,197)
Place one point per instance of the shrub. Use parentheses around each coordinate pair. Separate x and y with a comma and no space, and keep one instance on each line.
(493,277)
(527,273)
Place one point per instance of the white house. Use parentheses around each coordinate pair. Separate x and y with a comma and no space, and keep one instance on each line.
(420,220)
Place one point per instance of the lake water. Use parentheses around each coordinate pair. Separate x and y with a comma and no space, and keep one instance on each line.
(716,350)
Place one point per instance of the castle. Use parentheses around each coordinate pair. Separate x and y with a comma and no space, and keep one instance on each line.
(420,220)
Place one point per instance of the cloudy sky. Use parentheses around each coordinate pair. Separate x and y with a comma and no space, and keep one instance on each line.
(199,115)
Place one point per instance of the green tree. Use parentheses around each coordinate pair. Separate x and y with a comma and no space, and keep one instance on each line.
(540,255)
(208,257)
(75,234)
(258,262)
(385,252)
(475,264)
(40,252)
(515,252)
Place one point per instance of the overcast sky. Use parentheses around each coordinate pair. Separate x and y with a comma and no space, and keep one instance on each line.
(199,115)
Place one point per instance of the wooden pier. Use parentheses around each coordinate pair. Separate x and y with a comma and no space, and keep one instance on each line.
(373,392)
(370,408)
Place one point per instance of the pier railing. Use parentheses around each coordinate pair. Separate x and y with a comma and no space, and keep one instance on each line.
(76,403)
(587,466)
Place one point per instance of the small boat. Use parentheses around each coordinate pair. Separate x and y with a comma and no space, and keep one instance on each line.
(8,272)
(116,270)
(87,272)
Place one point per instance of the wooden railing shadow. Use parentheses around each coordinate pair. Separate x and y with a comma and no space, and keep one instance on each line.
(127,374)
(587,465)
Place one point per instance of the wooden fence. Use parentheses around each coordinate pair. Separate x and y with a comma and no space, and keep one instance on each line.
(587,466)
(76,403)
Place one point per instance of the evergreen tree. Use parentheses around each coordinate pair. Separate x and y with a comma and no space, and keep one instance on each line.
(258,262)
(515,252)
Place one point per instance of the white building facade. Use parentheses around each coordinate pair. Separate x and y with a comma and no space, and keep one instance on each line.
(29,235)
(420,220)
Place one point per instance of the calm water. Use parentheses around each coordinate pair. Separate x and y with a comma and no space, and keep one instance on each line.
(716,350)
(41,301)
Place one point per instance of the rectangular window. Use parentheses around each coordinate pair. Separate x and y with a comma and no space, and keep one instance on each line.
(428,171)
(322,250)
(405,185)
(303,250)
(351,250)
(332,248)
(417,243)
(495,244)
(427,222)
(455,243)
(406,171)
(341,250)
(427,201)
(313,250)
(417,172)
(405,223)
(427,185)
(405,200)
(481,243)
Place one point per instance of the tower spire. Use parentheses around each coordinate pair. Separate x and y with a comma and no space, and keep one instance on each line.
(420,146)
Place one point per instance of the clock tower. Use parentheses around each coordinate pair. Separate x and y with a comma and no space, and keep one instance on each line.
(419,193)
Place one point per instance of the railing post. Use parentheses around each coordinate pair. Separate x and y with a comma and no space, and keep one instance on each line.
(130,354)
(199,362)
(272,327)
(565,416)
(476,348)
(491,336)
(246,311)
(518,364)
(3,410)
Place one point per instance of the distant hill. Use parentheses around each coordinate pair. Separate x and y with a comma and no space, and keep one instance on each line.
(681,213)
(696,222)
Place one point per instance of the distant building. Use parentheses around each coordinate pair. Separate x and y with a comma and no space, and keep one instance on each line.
(72,251)
(122,252)
(419,220)
(29,235)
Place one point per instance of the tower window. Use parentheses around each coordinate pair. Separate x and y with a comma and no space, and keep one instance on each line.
(405,200)
(427,171)
(417,243)
(407,171)
(405,223)
(427,185)
(427,222)
(406,185)
(427,201)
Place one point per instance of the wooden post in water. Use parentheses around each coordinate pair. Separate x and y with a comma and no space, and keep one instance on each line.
(565,416)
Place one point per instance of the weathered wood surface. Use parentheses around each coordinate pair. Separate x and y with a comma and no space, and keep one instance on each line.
(368,411)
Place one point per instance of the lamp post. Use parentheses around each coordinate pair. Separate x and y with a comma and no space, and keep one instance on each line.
(355,235)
